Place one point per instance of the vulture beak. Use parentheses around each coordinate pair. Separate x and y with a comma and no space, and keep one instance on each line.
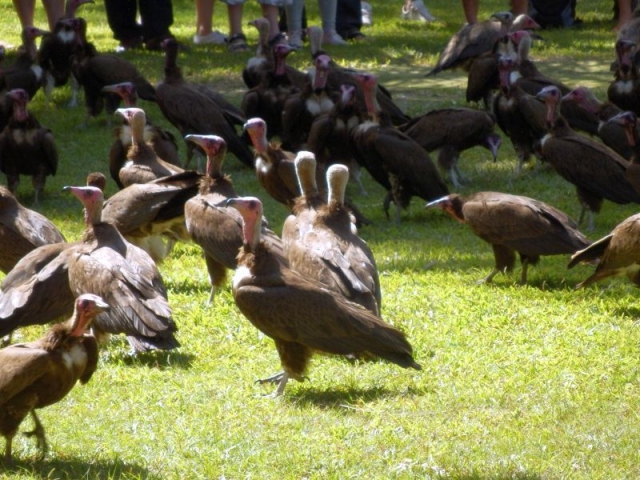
(438,203)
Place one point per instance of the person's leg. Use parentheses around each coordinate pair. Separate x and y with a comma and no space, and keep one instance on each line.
(121,16)
(270,12)
(294,22)
(157,17)
(55,11)
(348,19)
(519,6)
(624,13)
(204,24)
(470,8)
(237,41)
(25,10)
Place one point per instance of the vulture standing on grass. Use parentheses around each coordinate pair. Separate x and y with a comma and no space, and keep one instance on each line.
(125,276)
(514,224)
(95,70)
(597,171)
(24,72)
(301,315)
(142,164)
(214,226)
(161,140)
(26,148)
(393,159)
(453,130)
(22,230)
(258,65)
(320,242)
(38,374)
(191,111)
(617,254)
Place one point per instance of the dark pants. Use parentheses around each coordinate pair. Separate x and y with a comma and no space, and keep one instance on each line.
(348,17)
(156,16)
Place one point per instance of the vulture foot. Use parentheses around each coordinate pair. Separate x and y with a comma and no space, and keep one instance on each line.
(38,431)
(7,460)
(523,277)
(272,379)
(488,278)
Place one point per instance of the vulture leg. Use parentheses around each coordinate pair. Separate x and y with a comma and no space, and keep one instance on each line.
(488,278)
(217,275)
(455,178)
(398,212)
(591,223)
(38,431)
(7,460)
(356,175)
(386,203)
(523,278)
(74,93)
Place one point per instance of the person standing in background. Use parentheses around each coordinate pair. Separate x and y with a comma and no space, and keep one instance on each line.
(328,10)
(156,17)
(349,20)
(26,10)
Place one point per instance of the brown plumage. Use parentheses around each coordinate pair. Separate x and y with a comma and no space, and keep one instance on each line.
(483,78)
(142,163)
(22,230)
(36,157)
(41,373)
(595,114)
(320,242)
(95,70)
(624,91)
(214,226)
(268,98)
(299,314)
(393,159)
(161,140)
(192,110)
(453,130)
(151,215)
(628,121)
(258,65)
(514,224)
(24,72)
(597,171)
(618,253)
(106,264)
(479,38)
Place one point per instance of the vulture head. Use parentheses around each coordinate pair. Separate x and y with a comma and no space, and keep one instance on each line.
(506,66)
(583,97)
(347,93)
(280,52)
(215,148)
(492,143)
(628,121)
(321,72)
(250,209)
(98,180)
(305,164)
(550,95)
(524,22)
(452,204)
(29,35)
(137,120)
(264,30)
(625,51)
(505,18)
(369,83)
(86,308)
(257,130)
(19,99)
(337,179)
(92,198)
(125,90)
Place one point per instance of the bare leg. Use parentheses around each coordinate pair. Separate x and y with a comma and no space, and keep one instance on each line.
(624,13)
(270,12)
(470,8)
(519,6)
(55,11)
(25,10)
(235,20)
(204,16)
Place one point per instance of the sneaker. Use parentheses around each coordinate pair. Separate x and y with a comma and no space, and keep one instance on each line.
(295,39)
(417,10)
(367,14)
(332,38)
(216,37)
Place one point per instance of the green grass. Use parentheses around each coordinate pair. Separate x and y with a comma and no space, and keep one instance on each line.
(539,381)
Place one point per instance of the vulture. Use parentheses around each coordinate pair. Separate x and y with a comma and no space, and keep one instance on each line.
(260,63)
(105,264)
(628,121)
(162,140)
(142,164)
(301,315)
(479,38)
(151,215)
(519,115)
(624,91)
(26,148)
(24,73)
(267,99)
(214,226)
(22,230)
(38,374)
(193,109)
(95,70)
(320,242)
(597,171)
(56,51)
(453,130)
(393,159)
(514,224)
(618,253)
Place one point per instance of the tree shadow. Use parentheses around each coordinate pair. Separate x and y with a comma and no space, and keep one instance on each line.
(160,359)
(77,468)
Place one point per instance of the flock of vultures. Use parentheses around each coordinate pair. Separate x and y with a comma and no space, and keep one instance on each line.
(315,288)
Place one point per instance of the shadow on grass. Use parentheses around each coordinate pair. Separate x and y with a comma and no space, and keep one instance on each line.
(496,476)
(346,398)
(155,359)
(76,468)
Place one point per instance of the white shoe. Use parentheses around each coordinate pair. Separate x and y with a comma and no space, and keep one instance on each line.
(417,10)
(332,38)
(367,14)
(295,39)
(214,37)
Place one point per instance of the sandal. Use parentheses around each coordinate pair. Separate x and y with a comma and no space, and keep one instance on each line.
(238,43)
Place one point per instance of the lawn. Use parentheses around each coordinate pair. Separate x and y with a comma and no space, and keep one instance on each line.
(526,382)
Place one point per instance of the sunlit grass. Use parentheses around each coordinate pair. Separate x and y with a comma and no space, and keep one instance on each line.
(526,382)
